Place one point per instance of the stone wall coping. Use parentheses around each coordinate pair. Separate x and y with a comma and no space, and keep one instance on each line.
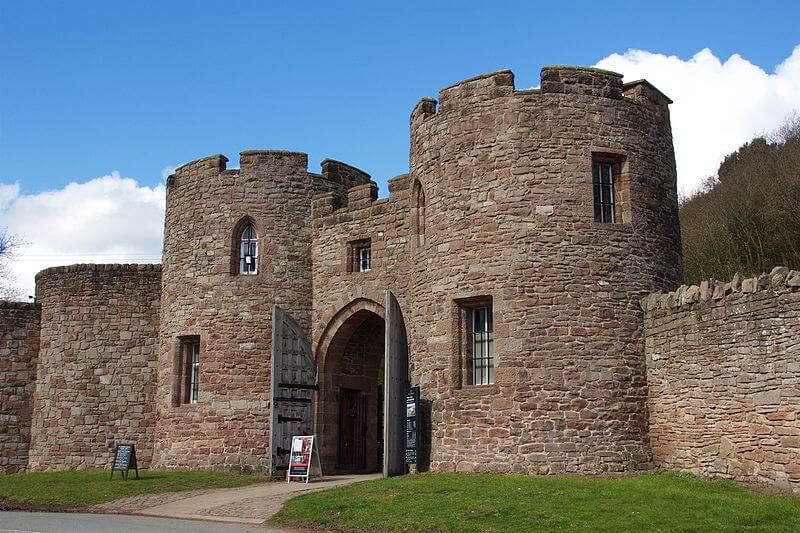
(10,304)
(504,71)
(97,267)
(635,83)
(593,70)
(711,290)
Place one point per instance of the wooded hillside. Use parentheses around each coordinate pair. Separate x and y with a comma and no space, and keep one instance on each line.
(748,218)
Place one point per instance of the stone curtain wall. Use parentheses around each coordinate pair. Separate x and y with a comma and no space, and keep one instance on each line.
(19,348)
(97,365)
(723,371)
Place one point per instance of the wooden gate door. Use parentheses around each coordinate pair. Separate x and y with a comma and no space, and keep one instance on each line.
(292,390)
(395,386)
(352,430)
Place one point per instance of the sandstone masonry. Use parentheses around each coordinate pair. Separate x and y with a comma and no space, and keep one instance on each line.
(95,384)
(498,211)
(19,348)
(723,372)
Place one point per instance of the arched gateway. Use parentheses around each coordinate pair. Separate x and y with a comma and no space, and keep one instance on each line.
(349,394)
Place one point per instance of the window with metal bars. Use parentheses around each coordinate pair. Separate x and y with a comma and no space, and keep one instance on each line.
(481,338)
(248,251)
(603,181)
(191,354)
(359,256)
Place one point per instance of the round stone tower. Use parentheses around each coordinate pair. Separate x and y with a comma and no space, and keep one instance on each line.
(509,219)
(209,303)
(216,313)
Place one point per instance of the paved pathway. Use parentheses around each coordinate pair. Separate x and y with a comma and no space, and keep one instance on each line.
(19,522)
(244,505)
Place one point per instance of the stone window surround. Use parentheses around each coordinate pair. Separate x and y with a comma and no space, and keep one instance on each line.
(178,398)
(460,359)
(351,258)
(418,214)
(234,251)
(620,161)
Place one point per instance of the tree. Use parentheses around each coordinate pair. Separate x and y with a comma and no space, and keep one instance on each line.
(8,246)
(747,218)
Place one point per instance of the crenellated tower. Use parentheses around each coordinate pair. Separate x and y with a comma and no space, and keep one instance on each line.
(518,219)
(218,312)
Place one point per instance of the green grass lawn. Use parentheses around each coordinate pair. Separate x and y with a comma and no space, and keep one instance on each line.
(463,502)
(78,488)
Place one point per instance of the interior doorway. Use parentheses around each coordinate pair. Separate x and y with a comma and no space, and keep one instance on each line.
(350,410)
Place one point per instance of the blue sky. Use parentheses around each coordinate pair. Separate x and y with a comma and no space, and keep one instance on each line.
(100,100)
(91,87)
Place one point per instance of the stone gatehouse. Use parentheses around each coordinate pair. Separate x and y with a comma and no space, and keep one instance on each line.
(509,275)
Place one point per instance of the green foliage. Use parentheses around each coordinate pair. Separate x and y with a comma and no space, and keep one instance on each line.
(748,219)
(464,502)
(77,488)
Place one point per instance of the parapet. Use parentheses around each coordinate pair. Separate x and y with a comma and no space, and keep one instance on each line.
(581,80)
(343,174)
(22,306)
(555,79)
(359,198)
(779,279)
(95,267)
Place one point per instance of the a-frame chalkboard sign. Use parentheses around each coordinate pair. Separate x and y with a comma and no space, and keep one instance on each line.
(124,460)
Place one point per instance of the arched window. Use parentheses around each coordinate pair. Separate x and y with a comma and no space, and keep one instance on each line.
(248,250)
(419,213)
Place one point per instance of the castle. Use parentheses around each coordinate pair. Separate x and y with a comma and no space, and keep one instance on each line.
(519,274)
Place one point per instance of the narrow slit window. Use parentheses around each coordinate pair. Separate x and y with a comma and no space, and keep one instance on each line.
(482,346)
(248,251)
(603,181)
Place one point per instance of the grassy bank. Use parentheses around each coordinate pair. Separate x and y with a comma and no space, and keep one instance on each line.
(461,502)
(78,488)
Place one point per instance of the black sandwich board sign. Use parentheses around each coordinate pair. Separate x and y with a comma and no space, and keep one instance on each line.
(412,426)
(124,460)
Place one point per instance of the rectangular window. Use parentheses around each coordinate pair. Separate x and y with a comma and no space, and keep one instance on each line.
(191,358)
(603,181)
(481,349)
(364,259)
(359,256)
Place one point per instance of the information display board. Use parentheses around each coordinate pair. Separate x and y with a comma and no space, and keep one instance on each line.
(124,460)
(412,426)
(300,457)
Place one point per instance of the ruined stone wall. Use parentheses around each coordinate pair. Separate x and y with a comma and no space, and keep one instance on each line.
(19,349)
(723,373)
(95,384)
(507,177)
(231,314)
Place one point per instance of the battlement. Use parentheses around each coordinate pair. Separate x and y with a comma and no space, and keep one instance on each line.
(343,174)
(269,164)
(359,198)
(555,79)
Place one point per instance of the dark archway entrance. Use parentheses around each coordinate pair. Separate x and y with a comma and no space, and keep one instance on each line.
(350,401)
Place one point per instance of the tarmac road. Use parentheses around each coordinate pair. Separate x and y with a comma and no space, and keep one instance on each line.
(27,522)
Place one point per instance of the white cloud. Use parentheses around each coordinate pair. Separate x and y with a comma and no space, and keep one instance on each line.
(718,105)
(167,171)
(110,219)
(7,193)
